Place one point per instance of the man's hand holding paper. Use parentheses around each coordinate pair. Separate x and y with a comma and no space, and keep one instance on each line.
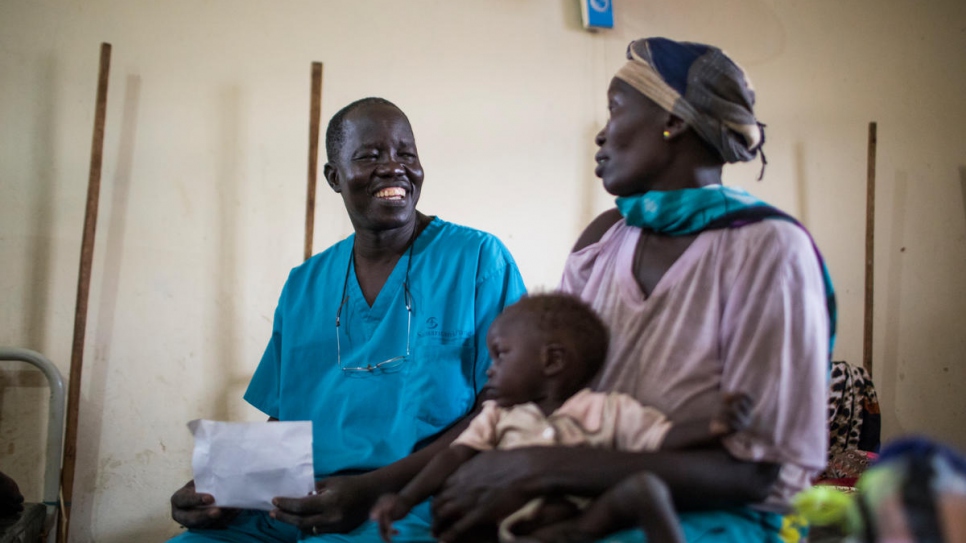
(247,464)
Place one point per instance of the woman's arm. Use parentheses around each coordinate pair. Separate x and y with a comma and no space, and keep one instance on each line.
(497,483)
(734,415)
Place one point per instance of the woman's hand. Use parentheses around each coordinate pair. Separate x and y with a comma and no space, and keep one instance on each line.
(484,491)
(193,510)
(340,504)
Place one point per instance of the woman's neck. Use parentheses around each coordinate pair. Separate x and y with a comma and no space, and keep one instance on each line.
(689,176)
(693,165)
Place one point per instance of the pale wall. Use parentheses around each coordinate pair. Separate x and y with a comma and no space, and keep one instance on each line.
(203,186)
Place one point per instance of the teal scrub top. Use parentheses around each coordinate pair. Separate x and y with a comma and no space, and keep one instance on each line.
(459,280)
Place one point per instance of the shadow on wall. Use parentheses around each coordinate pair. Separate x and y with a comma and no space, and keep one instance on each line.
(39,261)
(572,17)
(962,184)
(588,188)
(894,304)
(801,184)
(754,34)
(92,406)
(22,430)
(227,294)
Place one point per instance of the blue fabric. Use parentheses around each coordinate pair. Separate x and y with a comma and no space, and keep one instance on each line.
(247,527)
(690,211)
(460,280)
(673,60)
(415,528)
(741,525)
(258,527)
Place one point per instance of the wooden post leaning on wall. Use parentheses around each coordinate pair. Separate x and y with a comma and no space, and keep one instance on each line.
(869,250)
(315,111)
(83,287)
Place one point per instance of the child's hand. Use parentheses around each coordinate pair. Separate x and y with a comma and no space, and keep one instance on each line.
(389,507)
(734,415)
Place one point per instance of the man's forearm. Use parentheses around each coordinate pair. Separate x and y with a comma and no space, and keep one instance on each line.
(395,476)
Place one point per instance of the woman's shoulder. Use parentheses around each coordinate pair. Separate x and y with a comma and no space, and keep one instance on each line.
(780,237)
(771,244)
(597,228)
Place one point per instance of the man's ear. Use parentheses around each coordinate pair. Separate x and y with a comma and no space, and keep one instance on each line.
(331,174)
(554,358)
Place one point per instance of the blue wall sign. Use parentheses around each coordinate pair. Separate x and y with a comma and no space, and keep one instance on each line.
(597,13)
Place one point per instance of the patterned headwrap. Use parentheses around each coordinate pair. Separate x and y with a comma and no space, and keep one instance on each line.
(702,86)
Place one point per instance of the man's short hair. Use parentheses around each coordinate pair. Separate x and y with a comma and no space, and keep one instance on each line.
(335,132)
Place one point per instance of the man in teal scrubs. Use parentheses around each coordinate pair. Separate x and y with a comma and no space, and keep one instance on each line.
(379,341)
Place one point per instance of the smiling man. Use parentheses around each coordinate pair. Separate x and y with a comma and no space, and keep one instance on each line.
(380,341)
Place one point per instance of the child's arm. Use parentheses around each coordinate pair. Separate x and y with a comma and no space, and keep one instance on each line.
(390,507)
(733,415)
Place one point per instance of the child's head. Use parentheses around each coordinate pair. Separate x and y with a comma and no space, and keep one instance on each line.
(544,343)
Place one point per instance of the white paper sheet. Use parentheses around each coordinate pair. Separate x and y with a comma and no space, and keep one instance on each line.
(246,464)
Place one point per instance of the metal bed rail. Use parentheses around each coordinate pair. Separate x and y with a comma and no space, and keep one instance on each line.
(55,429)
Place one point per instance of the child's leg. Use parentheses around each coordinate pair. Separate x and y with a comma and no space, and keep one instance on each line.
(537,513)
(642,500)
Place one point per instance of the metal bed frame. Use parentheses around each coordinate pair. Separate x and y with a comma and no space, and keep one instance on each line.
(55,430)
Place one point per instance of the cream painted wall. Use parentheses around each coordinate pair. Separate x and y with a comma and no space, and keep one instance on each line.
(203,186)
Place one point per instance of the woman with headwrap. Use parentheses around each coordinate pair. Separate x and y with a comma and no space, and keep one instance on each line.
(706,290)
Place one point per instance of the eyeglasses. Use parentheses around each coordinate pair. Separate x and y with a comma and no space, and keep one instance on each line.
(395,361)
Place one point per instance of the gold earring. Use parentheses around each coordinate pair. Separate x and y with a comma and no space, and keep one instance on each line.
(667,134)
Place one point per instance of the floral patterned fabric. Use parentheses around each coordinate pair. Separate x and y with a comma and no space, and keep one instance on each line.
(854,422)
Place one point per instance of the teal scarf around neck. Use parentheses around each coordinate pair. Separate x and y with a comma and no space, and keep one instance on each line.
(690,211)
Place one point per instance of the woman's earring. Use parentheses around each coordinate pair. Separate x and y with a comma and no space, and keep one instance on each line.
(667,134)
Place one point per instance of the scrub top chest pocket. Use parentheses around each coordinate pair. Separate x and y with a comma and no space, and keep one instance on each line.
(441,379)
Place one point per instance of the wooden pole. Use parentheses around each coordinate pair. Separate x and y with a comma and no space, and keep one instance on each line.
(315,111)
(869,250)
(83,287)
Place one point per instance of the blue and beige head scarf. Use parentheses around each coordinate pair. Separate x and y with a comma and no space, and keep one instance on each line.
(702,86)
